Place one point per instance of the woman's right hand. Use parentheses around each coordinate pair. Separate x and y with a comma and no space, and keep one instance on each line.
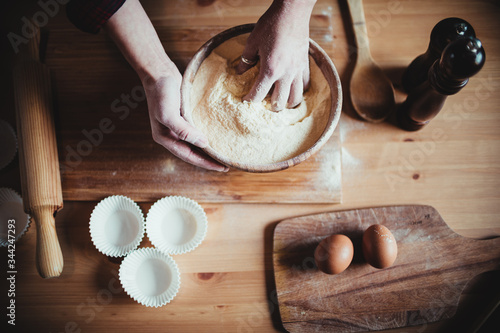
(280,40)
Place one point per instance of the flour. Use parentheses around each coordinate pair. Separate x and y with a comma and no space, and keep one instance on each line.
(251,132)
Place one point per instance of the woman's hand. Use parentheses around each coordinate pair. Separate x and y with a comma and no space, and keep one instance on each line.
(136,37)
(169,129)
(280,40)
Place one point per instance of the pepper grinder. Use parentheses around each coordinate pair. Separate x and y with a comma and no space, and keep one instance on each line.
(460,60)
(442,34)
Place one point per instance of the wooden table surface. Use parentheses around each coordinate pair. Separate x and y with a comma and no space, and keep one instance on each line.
(227,284)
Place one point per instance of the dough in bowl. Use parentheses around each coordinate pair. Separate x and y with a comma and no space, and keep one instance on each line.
(247,132)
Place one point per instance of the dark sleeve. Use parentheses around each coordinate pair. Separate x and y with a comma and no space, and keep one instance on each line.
(91,15)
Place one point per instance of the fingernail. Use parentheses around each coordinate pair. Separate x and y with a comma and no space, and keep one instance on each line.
(276,107)
(222,168)
(293,106)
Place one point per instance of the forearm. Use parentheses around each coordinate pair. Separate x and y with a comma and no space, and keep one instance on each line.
(290,18)
(133,32)
(299,9)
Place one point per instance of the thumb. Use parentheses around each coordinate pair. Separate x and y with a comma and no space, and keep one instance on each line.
(250,53)
(170,117)
(187,132)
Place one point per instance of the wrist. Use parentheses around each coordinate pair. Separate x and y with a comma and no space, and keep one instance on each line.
(296,4)
(153,72)
(293,10)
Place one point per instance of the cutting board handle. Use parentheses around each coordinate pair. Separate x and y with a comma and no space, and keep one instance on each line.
(49,258)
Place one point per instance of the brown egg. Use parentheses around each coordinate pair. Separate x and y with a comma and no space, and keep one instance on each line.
(379,246)
(334,254)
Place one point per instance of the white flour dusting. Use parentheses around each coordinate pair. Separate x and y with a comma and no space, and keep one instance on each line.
(347,125)
(349,161)
(250,132)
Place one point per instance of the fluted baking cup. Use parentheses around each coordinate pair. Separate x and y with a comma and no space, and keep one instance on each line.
(116,226)
(8,144)
(150,277)
(13,220)
(176,225)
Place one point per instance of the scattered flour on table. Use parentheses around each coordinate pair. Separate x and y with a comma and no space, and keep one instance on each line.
(349,161)
(348,125)
(250,132)
(331,171)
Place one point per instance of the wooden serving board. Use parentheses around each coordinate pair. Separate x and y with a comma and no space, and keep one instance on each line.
(424,285)
(105,143)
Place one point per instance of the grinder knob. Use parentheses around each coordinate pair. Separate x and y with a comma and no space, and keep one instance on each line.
(442,34)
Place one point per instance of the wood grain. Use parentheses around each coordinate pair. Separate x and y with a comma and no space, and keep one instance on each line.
(152,172)
(39,162)
(227,283)
(432,268)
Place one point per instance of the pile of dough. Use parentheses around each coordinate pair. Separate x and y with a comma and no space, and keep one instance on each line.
(250,132)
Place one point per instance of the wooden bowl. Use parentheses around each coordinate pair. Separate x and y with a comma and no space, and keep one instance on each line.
(322,60)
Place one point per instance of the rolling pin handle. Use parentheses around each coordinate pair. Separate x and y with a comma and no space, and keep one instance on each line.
(49,258)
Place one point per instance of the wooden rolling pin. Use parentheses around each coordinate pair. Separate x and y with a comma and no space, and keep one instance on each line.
(39,163)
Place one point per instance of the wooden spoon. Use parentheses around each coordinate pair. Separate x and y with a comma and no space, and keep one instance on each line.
(372,94)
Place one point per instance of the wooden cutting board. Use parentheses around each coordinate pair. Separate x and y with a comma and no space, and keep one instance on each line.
(424,285)
(105,144)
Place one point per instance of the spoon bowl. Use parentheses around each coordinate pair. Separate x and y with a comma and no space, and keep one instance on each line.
(372,94)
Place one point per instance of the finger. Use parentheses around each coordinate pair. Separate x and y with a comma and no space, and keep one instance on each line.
(186,153)
(306,79)
(187,132)
(296,93)
(250,53)
(280,94)
(183,151)
(259,89)
(171,119)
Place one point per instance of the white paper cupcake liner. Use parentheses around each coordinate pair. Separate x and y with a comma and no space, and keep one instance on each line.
(11,208)
(116,226)
(150,277)
(8,144)
(176,225)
